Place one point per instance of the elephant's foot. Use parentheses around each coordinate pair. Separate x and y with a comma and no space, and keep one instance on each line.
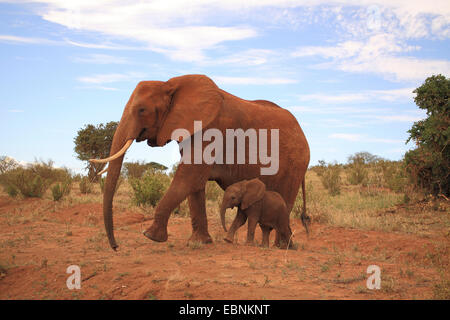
(200,237)
(250,243)
(155,233)
(264,245)
(292,246)
(228,240)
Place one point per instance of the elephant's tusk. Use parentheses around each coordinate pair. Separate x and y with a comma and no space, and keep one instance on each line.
(102,172)
(115,156)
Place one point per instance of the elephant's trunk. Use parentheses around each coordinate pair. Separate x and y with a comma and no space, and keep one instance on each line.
(114,168)
(223,208)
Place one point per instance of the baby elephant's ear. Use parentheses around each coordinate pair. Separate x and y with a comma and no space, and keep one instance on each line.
(253,191)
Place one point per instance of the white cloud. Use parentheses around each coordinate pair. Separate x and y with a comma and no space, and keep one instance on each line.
(397,68)
(250,57)
(346,136)
(378,54)
(26,40)
(106,46)
(252,80)
(185,30)
(402,95)
(362,138)
(336,110)
(175,28)
(398,118)
(16,110)
(111,78)
(101,59)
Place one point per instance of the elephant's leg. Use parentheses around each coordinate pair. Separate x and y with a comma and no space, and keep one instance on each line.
(238,221)
(187,180)
(252,222)
(198,217)
(277,239)
(266,233)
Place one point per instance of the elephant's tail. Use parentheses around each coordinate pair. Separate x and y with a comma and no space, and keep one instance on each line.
(306,220)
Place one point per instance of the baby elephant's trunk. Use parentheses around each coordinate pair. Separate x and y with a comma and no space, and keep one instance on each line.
(223,208)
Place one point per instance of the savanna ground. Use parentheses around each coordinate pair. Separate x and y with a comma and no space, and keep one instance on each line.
(40,238)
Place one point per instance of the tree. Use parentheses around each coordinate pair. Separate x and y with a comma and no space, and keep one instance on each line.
(138,168)
(363,157)
(94,142)
(428,164)
(7,164)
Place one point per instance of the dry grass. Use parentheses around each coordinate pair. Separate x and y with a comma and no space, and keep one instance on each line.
(367,208)
(318,262)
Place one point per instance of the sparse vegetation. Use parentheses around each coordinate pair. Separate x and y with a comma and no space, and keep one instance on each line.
(85,185)
(331,179)
(61,189)
(33,180)
(135,170)
(150,188)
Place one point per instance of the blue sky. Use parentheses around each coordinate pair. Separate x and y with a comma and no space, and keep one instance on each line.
(346,70)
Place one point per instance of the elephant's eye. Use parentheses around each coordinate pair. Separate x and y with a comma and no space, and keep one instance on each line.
(141,111)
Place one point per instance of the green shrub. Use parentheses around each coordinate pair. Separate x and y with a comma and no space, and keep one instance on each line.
(33,180)
(358,174)
(331,179)
(429,164)
(28,183)
(61,190)
(212,191)
(150,188)
(138,168)
(320,168)
(394,175)
(46,171)
(11,191)
(85,185)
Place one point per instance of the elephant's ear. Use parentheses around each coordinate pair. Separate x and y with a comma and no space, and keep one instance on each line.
(193,98)
(254,191)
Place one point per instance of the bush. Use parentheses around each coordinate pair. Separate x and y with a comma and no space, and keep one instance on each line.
(29,184)
(357,165)
(61,190)
(85,185)
(11,191)
(331,179)
(394,175)
(320,168)
(34,180)
(212,191)
(46,171)
(358,174)
(7,164)
(150,188)
(137,169)
(429,164)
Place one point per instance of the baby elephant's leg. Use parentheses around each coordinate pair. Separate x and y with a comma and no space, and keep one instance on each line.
(252,222)
(238,221)
(265,235)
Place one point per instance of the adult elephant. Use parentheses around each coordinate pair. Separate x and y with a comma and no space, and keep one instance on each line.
(155,109)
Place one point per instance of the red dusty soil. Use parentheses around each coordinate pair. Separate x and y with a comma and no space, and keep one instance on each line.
(38,243)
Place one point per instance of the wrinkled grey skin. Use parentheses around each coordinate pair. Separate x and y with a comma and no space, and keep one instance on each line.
(258,206)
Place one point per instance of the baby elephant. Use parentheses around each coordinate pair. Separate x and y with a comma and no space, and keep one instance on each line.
(258,205)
